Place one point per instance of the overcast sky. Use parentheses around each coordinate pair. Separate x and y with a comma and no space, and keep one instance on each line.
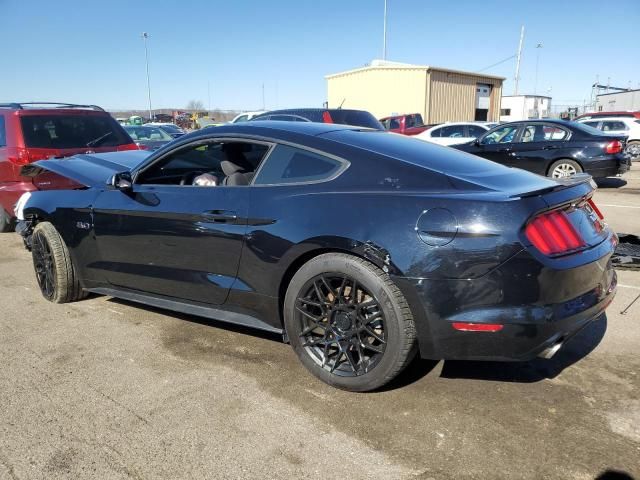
(92,52)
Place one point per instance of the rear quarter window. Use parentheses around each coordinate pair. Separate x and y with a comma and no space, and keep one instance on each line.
(288,165)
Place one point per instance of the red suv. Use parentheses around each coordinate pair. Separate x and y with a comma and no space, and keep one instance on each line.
(37,131)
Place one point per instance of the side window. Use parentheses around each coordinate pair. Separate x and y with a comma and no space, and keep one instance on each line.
(229,163)
(410,121)
(553,134)
(592,124)
(436,133)
(452,131)
(242,118)
(476,131)
(294,165)
(393,124)
(3,132)
(609,126)
(501,135)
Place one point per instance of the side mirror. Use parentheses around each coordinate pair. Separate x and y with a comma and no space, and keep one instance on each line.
(121,181)
(476,142)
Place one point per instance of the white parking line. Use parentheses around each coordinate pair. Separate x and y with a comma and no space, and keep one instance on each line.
(628,286)
(614,205)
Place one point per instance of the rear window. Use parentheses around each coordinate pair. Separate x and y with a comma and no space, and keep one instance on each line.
(72,131)
(357,118)
(293,165)
(3,133)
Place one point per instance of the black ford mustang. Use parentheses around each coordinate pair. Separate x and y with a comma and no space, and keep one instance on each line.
(362,248)
(554,148)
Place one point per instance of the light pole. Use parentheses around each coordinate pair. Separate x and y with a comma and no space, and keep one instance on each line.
(145,36)
(535,86)
(384,33)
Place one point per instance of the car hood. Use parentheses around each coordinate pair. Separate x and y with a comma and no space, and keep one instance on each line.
(89,170)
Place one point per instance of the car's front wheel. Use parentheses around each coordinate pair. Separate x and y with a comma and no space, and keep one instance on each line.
(348,322)
(55,272)
(564,168)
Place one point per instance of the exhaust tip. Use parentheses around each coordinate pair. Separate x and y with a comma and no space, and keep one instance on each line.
(550,351)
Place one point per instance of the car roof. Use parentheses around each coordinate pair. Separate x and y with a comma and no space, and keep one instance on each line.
(274,127)
(604,119)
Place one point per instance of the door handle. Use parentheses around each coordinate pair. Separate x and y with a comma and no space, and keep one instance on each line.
(504,150)
(548,147)
(221,216)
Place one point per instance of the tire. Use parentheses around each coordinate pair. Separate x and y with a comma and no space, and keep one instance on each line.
(55,273)
(633,149)
(348,322)
(7,224)
(566,166)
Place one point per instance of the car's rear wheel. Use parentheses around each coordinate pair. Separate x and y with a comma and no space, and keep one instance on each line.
(348,322)
(7,224)
(564,168)
(54,269)
(633,149)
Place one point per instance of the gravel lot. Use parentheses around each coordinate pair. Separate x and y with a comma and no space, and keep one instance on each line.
(107,389)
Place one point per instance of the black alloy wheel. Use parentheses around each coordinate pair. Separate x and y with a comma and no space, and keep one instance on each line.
(343,325)
(348,322)
(44,265)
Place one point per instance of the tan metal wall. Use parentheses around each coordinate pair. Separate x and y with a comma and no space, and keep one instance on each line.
(452,97)
(382,91)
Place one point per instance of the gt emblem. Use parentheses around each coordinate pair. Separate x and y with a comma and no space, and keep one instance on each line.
(83,225)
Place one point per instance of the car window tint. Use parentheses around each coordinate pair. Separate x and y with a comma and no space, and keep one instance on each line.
(476,131)
(501,135)
(72,131)
(179,167)
(3,133)
(293,165)
(591,124)
(393,124)
(452,131)
(613,125)
(242,118)
(436,133)
(554,134)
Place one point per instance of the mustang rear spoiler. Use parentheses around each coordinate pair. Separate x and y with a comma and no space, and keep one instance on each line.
(562,183)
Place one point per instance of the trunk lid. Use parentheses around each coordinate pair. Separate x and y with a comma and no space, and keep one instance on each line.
(92,170)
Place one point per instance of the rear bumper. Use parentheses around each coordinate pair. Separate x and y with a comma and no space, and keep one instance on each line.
(610,167)
(538,308)
(10,192)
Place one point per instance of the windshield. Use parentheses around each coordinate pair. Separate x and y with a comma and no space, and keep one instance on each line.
(72,131)
(148,134)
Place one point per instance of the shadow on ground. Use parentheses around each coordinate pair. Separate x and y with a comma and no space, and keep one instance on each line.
(610,182)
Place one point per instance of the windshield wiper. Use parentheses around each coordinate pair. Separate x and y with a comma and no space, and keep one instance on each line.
(96,141)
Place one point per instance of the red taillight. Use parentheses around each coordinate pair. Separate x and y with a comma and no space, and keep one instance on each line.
(553,234)
(18,156)
(326,117)
(595,209)
(614,146)
(141,146)
(477,327)
(128,146)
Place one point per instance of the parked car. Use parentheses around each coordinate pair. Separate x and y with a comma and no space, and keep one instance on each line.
(148,138)
(170,128)
(358,118)
(410,124)
(432,251)
(628,114)
(246,116)
(628,126)
(554,148)
(454,133)
(35,131)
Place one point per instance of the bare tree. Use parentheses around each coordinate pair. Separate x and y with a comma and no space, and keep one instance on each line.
(195,105)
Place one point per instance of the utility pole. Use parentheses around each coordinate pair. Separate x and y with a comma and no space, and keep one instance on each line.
(263,96)
(517,79)
(145,36)
(535,87)
(384,33)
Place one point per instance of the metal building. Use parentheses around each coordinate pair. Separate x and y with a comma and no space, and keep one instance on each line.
(524,107)
(618,101)
(439,94)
